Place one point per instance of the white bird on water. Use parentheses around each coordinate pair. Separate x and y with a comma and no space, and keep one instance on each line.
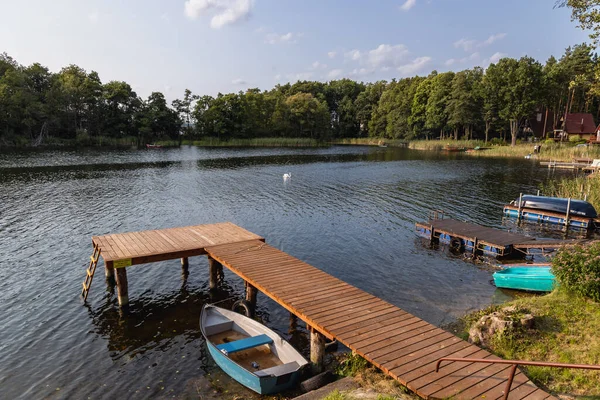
(287,176)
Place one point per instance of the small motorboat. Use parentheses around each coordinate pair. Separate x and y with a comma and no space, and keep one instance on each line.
(249,352)
(153,146)
(535,279)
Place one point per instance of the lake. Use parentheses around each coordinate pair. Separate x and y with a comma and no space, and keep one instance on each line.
(349,211)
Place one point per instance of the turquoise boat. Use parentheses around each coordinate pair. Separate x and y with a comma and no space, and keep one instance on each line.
(249,352)
(535,279)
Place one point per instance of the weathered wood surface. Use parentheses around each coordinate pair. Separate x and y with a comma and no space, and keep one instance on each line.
(466,230)
(124,249)
(395,341)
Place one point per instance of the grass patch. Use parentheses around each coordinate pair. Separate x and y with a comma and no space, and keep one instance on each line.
(576,188)
(336,395)
(550,151)
(566,331)
(372,141)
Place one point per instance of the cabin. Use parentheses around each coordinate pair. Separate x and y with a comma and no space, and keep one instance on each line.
(581,124)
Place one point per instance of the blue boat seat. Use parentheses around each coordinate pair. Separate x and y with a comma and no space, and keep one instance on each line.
(244,344)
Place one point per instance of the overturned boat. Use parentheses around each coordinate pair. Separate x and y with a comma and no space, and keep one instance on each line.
(555,210)
(532,279)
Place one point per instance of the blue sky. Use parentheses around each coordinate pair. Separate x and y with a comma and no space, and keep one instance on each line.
(212,46)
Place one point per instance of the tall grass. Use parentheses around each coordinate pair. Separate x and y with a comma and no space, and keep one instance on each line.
(371,141)
(565,152)
(580,187)
(256,142)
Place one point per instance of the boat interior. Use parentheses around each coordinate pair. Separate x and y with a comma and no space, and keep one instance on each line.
(245,343)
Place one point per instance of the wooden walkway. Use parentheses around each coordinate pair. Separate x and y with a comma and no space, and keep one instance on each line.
(395,341)
(400,344)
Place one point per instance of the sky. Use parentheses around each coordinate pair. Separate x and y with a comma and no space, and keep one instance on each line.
(212,46)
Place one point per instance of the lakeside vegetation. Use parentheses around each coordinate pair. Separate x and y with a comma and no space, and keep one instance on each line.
(38,106)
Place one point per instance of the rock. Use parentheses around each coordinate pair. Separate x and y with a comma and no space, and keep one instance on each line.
(497,324)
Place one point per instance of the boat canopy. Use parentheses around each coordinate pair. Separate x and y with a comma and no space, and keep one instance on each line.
(557,204)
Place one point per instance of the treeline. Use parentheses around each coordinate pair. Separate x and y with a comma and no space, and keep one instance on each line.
(36,104)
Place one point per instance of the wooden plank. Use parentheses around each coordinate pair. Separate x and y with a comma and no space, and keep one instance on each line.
(468,381)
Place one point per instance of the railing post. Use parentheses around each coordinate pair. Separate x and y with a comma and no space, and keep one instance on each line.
(513,369)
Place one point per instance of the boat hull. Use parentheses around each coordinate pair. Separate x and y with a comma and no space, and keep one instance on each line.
(535,279)
(262,383)
(548,217)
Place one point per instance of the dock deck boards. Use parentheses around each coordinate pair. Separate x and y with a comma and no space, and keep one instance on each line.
(482,233)
(402,345)
(167,244)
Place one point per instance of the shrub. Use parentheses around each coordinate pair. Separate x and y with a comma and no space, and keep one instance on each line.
(549,141)
(577,269)
(497,142)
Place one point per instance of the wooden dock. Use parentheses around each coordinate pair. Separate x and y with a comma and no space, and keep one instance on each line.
(400,344)
(465,236)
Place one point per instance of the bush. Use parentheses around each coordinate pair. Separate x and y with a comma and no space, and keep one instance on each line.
(577,269)
(497,142)
(549,141)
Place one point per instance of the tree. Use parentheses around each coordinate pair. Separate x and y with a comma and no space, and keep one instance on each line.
(587,13)
(464,104)
(183,108)
(418,114)
(436,113)
(520,90)
(120,107)
(308,116)
(366,103)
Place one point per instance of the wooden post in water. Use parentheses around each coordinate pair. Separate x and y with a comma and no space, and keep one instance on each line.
(520,206)
(109,272)
(474,247)
(251,293)
(185,264)
(317,351)
(122,290)
(213,273)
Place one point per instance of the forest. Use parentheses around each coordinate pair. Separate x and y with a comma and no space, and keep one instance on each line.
(73,105)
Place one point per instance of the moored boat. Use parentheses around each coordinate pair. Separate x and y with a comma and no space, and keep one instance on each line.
(153,146)
(557,204)
(535,279)
(249,352)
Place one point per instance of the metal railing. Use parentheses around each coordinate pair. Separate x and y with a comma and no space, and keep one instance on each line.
(515,364)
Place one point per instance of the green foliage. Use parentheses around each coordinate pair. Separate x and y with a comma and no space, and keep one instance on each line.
(351,364)
(578,270)
(575,187)
(336,395)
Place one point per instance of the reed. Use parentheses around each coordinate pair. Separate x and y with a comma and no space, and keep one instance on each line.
(256,142)
(581,187)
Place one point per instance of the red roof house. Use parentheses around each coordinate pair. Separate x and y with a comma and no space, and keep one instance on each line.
(581,124)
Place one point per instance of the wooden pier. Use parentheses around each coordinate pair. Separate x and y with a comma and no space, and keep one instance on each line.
(400,344)
(465,236)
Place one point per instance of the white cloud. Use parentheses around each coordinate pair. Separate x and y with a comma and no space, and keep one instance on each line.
(334,73)
(494,58)
(224,12)
(450,62)
(386,55)
(361,72)
(239,81)
(408,4)
(414,66)
(277,77)
(94,17)
(353,55)
(331,54)
(275,38)
(318,65)
(494,38)
(466,44)
(470,44)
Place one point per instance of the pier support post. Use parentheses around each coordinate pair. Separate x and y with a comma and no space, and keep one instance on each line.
(317,351)
(293,323)
(122,290)
(215,269)
(251,293)
(185,267)
(109,270)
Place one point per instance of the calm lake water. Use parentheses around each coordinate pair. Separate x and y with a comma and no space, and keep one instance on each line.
(349,211)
